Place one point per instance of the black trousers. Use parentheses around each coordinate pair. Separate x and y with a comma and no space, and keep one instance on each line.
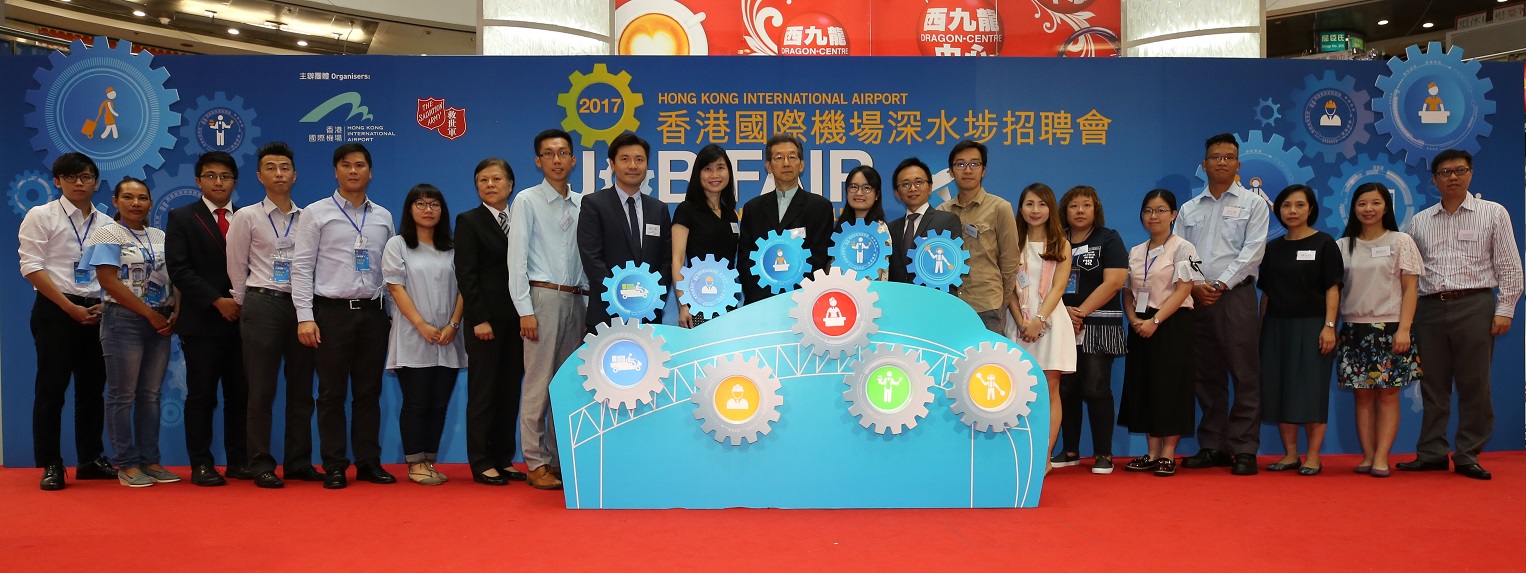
(210,360)
(496,369)
(268,327)
(426,399)
(67,349)
(1092,386)
(349,362)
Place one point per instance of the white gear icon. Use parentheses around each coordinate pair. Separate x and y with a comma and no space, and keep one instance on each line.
(728,427)
(598,361)
(861,382)
(1013,406)
(833,282)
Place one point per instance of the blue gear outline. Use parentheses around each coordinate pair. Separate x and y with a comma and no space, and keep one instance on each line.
(161,119)
(187,129)
(730,286)
(1334,199)
(611,283)
(1261,116)
(1414,153)
(960,261)
(796,273)
(880,237)
(1361,112)
(31,181)
(1273,146)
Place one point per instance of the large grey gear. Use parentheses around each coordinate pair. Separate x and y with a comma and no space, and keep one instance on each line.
(762,418)
(1016,405)
(848,284)
(905,417)
(608,392)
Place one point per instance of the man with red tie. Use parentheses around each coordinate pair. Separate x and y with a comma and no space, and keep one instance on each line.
(195,249)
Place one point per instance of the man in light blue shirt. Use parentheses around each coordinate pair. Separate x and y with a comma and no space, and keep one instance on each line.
(550,292)
(1228,224)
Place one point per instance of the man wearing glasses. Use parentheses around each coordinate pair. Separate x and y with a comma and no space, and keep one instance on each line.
(1468,245)
(65,323)
(1227,223)
(789,209)
(990,235)
(912,181)
(550,291)
(619,225)
(195,250)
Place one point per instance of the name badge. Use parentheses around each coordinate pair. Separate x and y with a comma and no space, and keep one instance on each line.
(653,230)
(281,271)
(1383,251)
(153,294)
(360,242)
(362,259)
(1467,235)
(1306,255)
(81,276)
(1022,279)
(736,228)
(566,221)
(1231,212)
(285,242)
(797,233)
(1070,286)
(1141,302)
(969,230)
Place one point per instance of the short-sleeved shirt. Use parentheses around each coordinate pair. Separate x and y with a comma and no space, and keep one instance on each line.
(709,234)
(1296,273)
(139,258)
(1372,291)
(1156,271)
(1103,249)
(429,276)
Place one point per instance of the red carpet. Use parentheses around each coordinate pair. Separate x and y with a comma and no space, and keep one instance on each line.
(1198,520)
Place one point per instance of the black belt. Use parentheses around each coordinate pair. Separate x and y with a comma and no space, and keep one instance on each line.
(267,291)
(164,311)
(1456,294)
(82,301)
(349,303)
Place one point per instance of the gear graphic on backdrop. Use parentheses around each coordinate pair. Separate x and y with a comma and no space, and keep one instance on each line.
(31,189)
(779,261)
(1267,120)
(834,312)
(221,124)
(861,247)
(710,287)
(1397,176)
(624,364)
(633,291)
(569,101)
(888,389)
(992,387)
(738,400)
(106,102)
(1268,164)
(939,261)
(172,189)
(1433,101)
(607,179)
(1334,116)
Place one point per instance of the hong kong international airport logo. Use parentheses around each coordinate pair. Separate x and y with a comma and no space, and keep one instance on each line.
(355,123)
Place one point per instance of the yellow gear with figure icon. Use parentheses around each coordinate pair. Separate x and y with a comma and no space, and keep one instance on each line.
(574,122)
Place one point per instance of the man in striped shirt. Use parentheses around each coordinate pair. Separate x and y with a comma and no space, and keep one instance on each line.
(1469,249)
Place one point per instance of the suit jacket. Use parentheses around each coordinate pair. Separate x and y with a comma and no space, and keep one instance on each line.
(760,215)
(197,256)
(931,221)
(605,242)
(482,269)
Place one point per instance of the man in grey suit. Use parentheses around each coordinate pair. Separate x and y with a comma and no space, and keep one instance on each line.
(913,183)
(619,225)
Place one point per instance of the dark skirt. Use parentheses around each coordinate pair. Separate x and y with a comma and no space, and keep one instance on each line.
(1295,377)
(1367,359)
(1158,378)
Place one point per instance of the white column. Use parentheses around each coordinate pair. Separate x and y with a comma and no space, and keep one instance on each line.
(1194,28)
(544,27)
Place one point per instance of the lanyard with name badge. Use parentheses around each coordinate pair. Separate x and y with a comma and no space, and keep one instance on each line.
(281,258)
(81,276)
(362,255)
(1142,300)
(154,291)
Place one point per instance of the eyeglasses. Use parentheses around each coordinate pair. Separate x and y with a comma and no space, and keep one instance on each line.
(1460,171)
(967,165)
(791,158)
(427,206)
(1222,158)
(85,178)
(912,184)
(1162,211)
(210,177)
(860,189)
(559,154)
(500,180)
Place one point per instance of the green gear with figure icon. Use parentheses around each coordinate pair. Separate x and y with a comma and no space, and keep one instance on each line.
(574,122)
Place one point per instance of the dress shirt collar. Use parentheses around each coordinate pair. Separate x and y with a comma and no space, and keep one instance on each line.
(785,197)
(976,199)
(1235,190)
(624,193)
(271,208)
(70,210)
(551,196)
(212,208)
(921,211)
(496,212)
(345,203)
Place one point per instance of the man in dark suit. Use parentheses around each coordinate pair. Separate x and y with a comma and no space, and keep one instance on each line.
(494,349)
(789,209)
(619,225)
(195,249)
(913,183)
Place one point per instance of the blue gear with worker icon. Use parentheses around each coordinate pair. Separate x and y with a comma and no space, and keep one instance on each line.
(241,145)
(955,265)
(786,259)
(872,239)
(895,412)
(747,416)
(1405,104)
(709,287)
(76,101)
(1355,115)
(623,364)
(31,189)
(1004,408)
(1261,115)
(856,324)
(633,291)
(1399,177)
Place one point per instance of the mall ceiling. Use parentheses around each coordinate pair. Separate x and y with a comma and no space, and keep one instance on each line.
(1298,34)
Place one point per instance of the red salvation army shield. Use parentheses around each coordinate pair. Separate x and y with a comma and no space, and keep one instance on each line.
(454,123)
(834,313)
(431,113)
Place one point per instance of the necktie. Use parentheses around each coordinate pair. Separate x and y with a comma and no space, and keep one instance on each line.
(222,221)
(908,241)
(503,223)
(630,211)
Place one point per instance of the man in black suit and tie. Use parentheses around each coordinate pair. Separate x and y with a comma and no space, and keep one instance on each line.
(913,184)
(619,225)
(195,250)
(789,209)
(494,349)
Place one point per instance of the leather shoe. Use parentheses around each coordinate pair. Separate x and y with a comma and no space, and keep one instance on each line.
(556,471)
(541,478)
(98,469)
(1245,465)
(373,473)
(303,473)
(335,479)
(207,476)
(485,479)
(1420,465)
(511,473)
(52,477)
(1206,458)
(268,480)
(1474,471)
(238,472)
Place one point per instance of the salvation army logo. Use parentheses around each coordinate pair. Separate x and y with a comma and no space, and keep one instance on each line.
(220,129)
(434,115)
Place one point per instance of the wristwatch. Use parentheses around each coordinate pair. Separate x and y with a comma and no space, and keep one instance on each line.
(1155,320)
(1329,324)
(455,325)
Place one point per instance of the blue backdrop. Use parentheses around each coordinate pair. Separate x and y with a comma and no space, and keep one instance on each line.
(1122,126)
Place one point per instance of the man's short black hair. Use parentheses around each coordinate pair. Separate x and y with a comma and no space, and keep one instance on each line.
(1220,138)
(348,148)
(74,163)
(1449,155)
(278,148)
(781,139)
(217,158)
(551,134)
(627,139)
(908,163)
(967,144)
